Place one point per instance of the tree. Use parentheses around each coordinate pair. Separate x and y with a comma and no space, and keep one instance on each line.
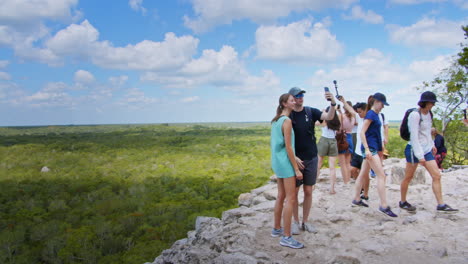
(452,92)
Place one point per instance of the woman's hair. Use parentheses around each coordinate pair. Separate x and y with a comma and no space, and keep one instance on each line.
(347,113)
(335,123)
(422,104)
(370,103)
(283,99)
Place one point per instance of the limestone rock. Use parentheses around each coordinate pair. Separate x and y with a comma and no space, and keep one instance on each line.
(45,169)
(245,199)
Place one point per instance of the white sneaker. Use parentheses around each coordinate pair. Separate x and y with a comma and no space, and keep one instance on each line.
(309,228)
(295,228)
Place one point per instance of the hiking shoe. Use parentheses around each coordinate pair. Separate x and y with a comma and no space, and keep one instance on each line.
(359,203)
(407,206)
(364,197)
(290,242)
(295,228)
(309,228)
(276,232)
(445,208)
(387,211)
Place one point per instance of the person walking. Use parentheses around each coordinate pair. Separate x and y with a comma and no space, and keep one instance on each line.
(284,165)
(303,119)
(421,150)
(371,145)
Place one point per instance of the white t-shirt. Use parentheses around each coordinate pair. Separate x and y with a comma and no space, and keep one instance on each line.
(328,133)
(420,133)
(384,123)
(357,149)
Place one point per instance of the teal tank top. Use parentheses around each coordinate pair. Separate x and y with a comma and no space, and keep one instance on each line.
(279,157)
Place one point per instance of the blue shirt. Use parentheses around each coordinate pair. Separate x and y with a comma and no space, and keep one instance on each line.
(373,135)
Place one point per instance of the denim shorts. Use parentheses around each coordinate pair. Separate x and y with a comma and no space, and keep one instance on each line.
(372,151)
(410,158)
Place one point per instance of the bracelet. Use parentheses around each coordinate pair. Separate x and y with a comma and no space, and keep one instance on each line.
(333,104)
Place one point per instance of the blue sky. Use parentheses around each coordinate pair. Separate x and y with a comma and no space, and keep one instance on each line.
(141,61)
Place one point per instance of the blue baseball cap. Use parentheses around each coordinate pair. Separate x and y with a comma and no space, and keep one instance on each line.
(295,91)
(381,97)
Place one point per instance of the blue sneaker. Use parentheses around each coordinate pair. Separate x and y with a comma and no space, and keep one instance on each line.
(372,174)
(276,232)
(387,211)
(290,242)
(445,208)
(359,203)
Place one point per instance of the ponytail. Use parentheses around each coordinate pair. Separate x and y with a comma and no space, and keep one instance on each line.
(370,103)
(283,99)
(279,110)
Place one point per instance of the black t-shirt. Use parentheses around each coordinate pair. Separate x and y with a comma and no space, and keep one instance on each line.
(304,132)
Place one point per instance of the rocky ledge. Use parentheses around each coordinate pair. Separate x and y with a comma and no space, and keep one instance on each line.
(346,234)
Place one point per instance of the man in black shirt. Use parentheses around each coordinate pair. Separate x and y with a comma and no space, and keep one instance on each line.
(303,119)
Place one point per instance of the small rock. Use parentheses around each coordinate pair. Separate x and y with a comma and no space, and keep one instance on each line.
(45,169)
(345,260)
(245,199)
(441,252)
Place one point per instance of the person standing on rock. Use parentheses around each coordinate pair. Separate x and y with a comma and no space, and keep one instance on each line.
(420,150)
(284,165)
(327,147)
(439,143)
(303,119)
(371,144)
(359,112)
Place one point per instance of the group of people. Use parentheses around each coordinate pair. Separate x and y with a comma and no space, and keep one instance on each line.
(296,158)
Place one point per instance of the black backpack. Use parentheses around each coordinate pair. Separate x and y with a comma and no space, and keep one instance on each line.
(404,129)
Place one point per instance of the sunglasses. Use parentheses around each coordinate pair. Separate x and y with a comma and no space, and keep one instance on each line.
(301,95)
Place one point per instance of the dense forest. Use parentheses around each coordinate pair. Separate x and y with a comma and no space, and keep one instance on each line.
(123,193)
(119,194)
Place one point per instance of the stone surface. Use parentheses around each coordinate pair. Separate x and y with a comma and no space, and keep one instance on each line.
(347,235)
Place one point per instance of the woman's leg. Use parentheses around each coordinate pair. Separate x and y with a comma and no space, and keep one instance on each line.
(364,173)
(434,171)
(319,165)
(332,163)
(290,190)
(279,203)
(343,168)
(409,173)
(348,167)
(376,165)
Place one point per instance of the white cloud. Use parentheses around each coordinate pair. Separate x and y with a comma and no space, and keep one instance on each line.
(136,98)
(4,63)
(85,77)
(118,80)
(14,11)
(373,71)
(370,16)
(297,42)
(220,69)
(5,76)
(53,94)
(461,3)
(428,33)
(137,5)
(210,13)
(189,99)
(82,41)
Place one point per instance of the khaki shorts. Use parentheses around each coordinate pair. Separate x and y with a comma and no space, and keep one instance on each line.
(327,147)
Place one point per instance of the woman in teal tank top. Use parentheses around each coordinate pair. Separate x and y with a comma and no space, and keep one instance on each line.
(284,165)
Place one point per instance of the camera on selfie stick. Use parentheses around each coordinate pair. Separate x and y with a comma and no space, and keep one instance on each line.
(338,96)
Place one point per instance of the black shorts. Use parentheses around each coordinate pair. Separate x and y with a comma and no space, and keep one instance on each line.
(309,173)
(356,162)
